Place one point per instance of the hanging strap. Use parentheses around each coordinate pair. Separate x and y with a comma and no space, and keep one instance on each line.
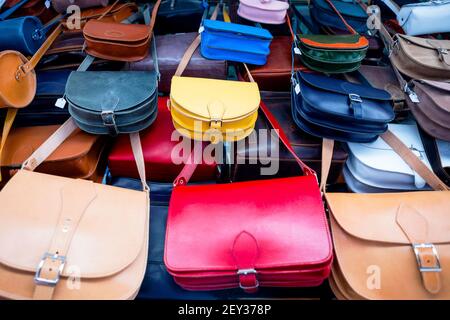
(7,125)
(154,14)
(392,5)
(13,9)
(349,27)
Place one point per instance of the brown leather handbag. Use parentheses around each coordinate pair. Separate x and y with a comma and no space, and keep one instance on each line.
(391,245)
(120,42)
(62,5)
(80,156)
(68,233)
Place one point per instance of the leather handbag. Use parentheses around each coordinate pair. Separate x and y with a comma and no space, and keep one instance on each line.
(81,156)
(261,153)
(422,18)
(333,53)
(267,242)
(352,13)
(336,109)
(179,16)
(438,153)
(263,11)
(112,102)
(120,41)
(35,8)
(376,167)
(62,5)
(70,240)
(162,162)
(234,42)
(170,50)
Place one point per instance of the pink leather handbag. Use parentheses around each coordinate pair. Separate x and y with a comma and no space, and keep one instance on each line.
(264,11)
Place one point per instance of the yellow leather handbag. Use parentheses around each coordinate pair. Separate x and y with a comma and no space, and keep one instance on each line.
(212,110)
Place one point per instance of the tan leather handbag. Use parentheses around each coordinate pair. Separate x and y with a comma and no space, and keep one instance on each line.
(393,245)
(78,239)
(119,41)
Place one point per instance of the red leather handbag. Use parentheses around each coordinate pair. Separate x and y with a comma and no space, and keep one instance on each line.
(157,147)
(266,233)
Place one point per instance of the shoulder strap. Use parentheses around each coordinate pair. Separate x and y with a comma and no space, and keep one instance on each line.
(392,5)
(349,27)
(7,125)
(13,9)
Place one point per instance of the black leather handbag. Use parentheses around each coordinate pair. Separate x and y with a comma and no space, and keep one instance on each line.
(340,110)
(175,16)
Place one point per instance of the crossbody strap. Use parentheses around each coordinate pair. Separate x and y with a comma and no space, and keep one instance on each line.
(392,5)
(13,9)
(7,125)
(349,27)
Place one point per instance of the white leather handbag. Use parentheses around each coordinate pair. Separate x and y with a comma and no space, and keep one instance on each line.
(376,167)
(422,18)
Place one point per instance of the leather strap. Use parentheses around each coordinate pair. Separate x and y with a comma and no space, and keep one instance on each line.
(136,146)
(11,10)
(154,14)
(392,5)
(245,252)
(7,125)
(327,157)
(413,161)
(349,27)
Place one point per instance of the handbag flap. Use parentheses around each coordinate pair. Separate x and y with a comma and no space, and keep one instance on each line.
(238,29)
(373,217)
(284,216)
(23,141)
(343,42)
(203,98)
(51,83)
(110,31)
(344,87)
(110,90)
(422,10)
(445,86)
(379,155)
(345,8)
(109,236)
(271,5)
(431,44)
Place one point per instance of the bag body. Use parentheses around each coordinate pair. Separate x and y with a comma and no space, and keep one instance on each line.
(353,14)
(339,110)
(260,152)
(158,149)
(179,16)
(379,167)
(21,34)
(402,234)
(432,112)
(61,5)
(421,58)
(170,50)
(213,110)
(111,102)
(263,11)
(234,42)
(438,153)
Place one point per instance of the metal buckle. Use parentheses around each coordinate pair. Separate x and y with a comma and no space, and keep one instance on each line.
(49,282)
(355,98)
(417,247)
(215,123)
(108,118)
(245,272)
(443,51)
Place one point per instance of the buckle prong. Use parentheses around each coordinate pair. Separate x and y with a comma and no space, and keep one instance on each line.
(49,282)
(422,268)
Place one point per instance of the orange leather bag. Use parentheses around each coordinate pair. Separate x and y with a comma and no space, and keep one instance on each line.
(120,42)
(78,239)
(391,245)
(18,81)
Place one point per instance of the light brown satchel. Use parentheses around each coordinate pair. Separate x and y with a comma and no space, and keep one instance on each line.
(393,245)
(63,238)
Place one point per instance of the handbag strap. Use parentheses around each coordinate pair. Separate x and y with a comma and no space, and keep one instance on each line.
(13,9)
(392,5)
(349,27)
(154,14)
(7,125)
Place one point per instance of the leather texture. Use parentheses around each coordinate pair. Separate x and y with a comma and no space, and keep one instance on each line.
(109,102)
(432,112)
(263,11)
(258,238)
(80,156)
(234,42)
(379,167)
(351,11)
(170,50)
(376,232)
(339,110)
(275,75)
(35,8)
(21,34)
(213,110)
(421,58)
(158,149)
(179,16)
(62,5)
(257,151)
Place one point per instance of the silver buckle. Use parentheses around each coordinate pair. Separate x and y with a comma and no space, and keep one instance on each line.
(443,51)
(417,247)
(49,282)
(245,272)
(355,98)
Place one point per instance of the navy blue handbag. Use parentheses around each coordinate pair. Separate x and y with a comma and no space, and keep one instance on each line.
(351,12)
(235,42)
(23,34)
(339,110)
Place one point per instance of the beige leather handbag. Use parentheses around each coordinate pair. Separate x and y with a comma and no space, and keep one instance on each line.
(63,238)
(393,245)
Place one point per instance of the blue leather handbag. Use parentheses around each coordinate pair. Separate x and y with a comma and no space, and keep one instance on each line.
(339,110)
(352,12)
(235,42)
